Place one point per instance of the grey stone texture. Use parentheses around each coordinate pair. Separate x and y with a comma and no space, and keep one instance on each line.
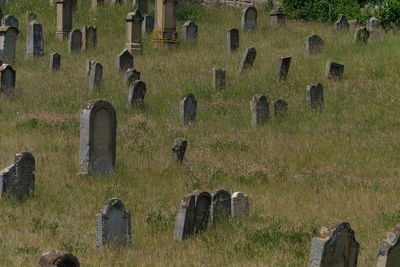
(388,253)
(34,40)
(314,44)
(232,39)
(147,24)
(239,205)
(259,110)
(315,96)
(58,258)
(55,61)
(64,18)
(281,108)
(75,41)
(113,224)
(136,94)
(336,245)
(131,76)
(124,61)
(373,24)
(95,76)
(189,32)
(179,149)
(218,78)
(334,70)
(97,143)
(220,206)
(341,23)
(8,42)
(188,107)
(278,17)
(185,218)
(282,68)
(7,80)
(249,18)
(248,59)
(89,37)
(11,21)
(17,181)
(361,35)
(201,211)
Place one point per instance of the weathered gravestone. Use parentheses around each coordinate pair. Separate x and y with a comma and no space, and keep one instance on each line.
(201,211)
(179,149)
(220,206)
(189,32)
(8,77)
(336,245)
(124,61)
(64,18)
(239,205)
(97,3)
(136,94)
(388,254)
(34,40)
(58,258)
(249,18)
(147,24)
(134,22)
(248,59)
(314,44)
(17,181)
(188,106)
(131,76)
(218,78)
(278,17)
(281,108)
(334,70)
(232,37)
(373,24)
(282,68)
(341,23)
(88,66)
(113,224)
(55,61)
(95,75)
(75,41)
(10,21)
(165,23)
(89,37)
(8,42)
(361,35)
(259,110)
(97,143)
(315,96)
(30,16)
(185,218)
(141,5)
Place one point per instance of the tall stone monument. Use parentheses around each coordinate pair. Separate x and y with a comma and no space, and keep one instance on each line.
(64,18)
(134,32)
(165,23)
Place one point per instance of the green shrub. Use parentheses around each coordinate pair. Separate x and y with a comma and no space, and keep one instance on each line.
(388,12)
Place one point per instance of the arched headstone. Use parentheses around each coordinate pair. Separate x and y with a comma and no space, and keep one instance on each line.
(202,211)
(259,110)
(248,59)
(58,258)
(220,205)
(7,80)
(75,41)
(373,24)
(55,61)
(314,44)
(249,18)
(334,70)
(189,32)
(34,40)
(124,61)
(10,21)
(361,35)
(388,254)
(239,205)
(315,96)
(188,107)
(95,75)
(281,108)
(136,94)
(232,38)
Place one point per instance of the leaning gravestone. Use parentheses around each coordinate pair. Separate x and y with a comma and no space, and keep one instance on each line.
(336,245)
(113,224)
(239,205)
(281,108)
(334,70)
(75,41)
(34,40)
(249,18)
(55,61)
(58,258)
(220,206)
(179,149)
(314,44)
(361,35)
(136,94)
(185,218)
(202,211)
(341,23)
(188,106)
(8,77)
(11,21)
(18,180)
(97,144)
(232,37)
(388,254)
(131,76)
(248,59)
(89,37)
(95,75)
(282,68)
(189,32)
(259,110)
(315,96)
(8,42)
(147,24)
(124,61)
(218,78)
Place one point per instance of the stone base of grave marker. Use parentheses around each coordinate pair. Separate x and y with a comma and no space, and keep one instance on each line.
(58,258)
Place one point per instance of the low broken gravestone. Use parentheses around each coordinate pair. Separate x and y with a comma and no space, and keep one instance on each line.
(361,35)
(388,254)
(314,44)
(249,18)
(218,78)
(239,205)
(95,75)
(248,59)
(259,110)
(58,258)
(55,61)
(113,224)
(334,70)
(336,245)
(282,68)
(34,40)
(8,77)
(281,108)
(18,180)
(315,96)
(189,32)
(136,94)
(124,61)
(131,76)
(341,23)
(188,106)
(179,149)
(220,206)
(89,37)
(232,39)
(75,41)
(97,143)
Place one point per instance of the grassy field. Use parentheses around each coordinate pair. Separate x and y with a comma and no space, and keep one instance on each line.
(300,172)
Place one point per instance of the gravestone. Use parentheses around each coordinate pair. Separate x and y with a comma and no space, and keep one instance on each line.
(165,23)
(232,37)
(334,70)
(315,96)
(97,3)
(248,59)
(249,18)
(131,76)
(373,24)
(219,78)
(58,258)
(361,35)
(388,254)
(136,94)
(220,206)
(8,42)
(34,40)
(55,61)
(336,245)
(97,143)
(89,37)
(259,110)
(8,77)
(314,44)
(95,75)
(64,18)
(281,108)
(188,106)
(17,181)
(185,218)
(239,205)
(147,24)
(278,17)
(10,21)
(179,149)
(341,23)
(88,66)
(124,61)
(30,16)
(134,22)
(189,32)
(282,68)
(75,41)
(141,5)
(202,211)
(113,224)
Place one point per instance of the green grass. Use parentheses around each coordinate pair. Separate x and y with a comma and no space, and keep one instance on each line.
(349,151)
